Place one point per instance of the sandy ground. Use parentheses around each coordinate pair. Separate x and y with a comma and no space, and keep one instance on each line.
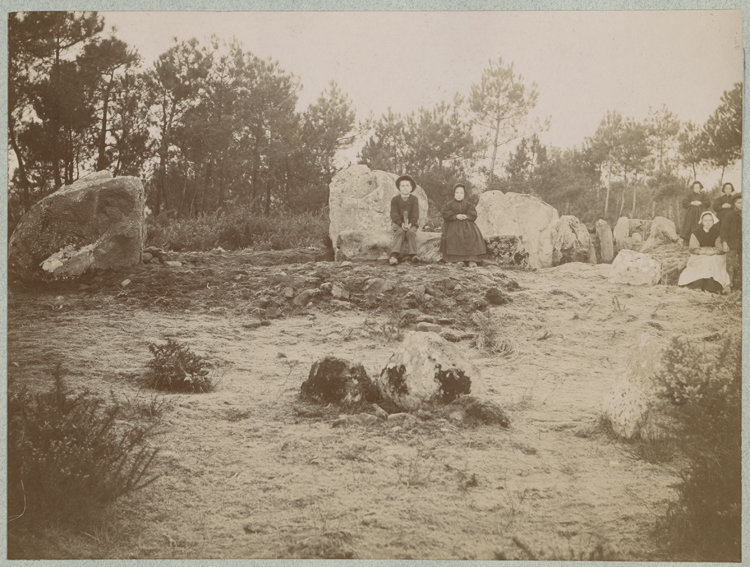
(245,474)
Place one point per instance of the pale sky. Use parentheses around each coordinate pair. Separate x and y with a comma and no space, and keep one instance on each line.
(584,63)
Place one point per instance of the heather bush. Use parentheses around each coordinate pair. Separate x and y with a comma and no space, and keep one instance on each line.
(69,455)
(237,229)
(176,368)
(705,404)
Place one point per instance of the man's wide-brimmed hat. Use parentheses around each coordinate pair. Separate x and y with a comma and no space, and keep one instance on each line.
(406,178)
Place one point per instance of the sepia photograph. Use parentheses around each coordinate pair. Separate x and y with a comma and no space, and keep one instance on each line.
(374,285)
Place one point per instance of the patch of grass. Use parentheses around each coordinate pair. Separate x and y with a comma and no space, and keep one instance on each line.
(237,229)
(175,368)
(598,552)
(70,455)
(491,339)
(655,449)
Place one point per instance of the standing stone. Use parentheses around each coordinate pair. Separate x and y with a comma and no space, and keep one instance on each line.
(526,216)
(98,222)
(573,242)
(425,369)
(622,233)
(635,268)
(360,200)
(632,405)
(662,233)
(604,232)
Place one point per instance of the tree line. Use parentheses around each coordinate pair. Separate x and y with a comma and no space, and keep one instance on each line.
(210,126)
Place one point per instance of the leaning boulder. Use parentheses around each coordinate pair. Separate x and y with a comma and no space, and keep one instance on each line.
(606,243)
(662,233)
(632,406)
(376,245)
(427,369)
(635,268)
(572,242)
(335,380)
(526,216)
(98,222)
(360,200)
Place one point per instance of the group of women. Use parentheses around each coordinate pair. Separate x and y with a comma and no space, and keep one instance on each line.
(710,236)
(706,235)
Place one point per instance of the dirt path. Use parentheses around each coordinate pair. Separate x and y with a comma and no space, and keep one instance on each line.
(245,476)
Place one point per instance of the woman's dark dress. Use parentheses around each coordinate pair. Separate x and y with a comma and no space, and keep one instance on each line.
(720,211)
(693,213)
(461,241)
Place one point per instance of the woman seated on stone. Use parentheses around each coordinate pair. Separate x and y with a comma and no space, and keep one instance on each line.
(707,266)
(694,204)
(461,241)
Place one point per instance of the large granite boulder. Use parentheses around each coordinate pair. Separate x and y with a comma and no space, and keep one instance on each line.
(572,242)
(427,369)
(635,268)
(360,199)
(662,233)
(526,216)
(606,242)
(335,380)
(98,222)
(633,406)
(376,245)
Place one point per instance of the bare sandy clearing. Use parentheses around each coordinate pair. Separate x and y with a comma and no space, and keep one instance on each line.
(247,476)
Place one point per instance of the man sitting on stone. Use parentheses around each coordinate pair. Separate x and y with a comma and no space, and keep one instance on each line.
(405,216)
(731,237)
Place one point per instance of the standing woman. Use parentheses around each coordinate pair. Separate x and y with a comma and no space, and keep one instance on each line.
(724,203)
(694,204)
(461,241)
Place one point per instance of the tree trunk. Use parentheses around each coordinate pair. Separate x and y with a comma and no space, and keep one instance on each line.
(26,197)
(721,179)
(101,162)
(494,155)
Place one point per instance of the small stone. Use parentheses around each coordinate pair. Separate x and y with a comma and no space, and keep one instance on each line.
(367,419)
(419,290)
(326,286)
(496,297)
(146,257)
(345,420)
(458,288)
(380,412)
(428,328)
(173,263)
(288,292)
(125,283)
(446,321)
(305,296)
(273,313)
(346,264)
(405,420)
(339,292)
(451,336)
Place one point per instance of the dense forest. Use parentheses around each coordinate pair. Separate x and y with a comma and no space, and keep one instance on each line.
(209,126)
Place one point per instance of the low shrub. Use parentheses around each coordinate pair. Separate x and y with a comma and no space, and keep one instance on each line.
(237,229)
(705,404)
(69,455)
(175,368)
